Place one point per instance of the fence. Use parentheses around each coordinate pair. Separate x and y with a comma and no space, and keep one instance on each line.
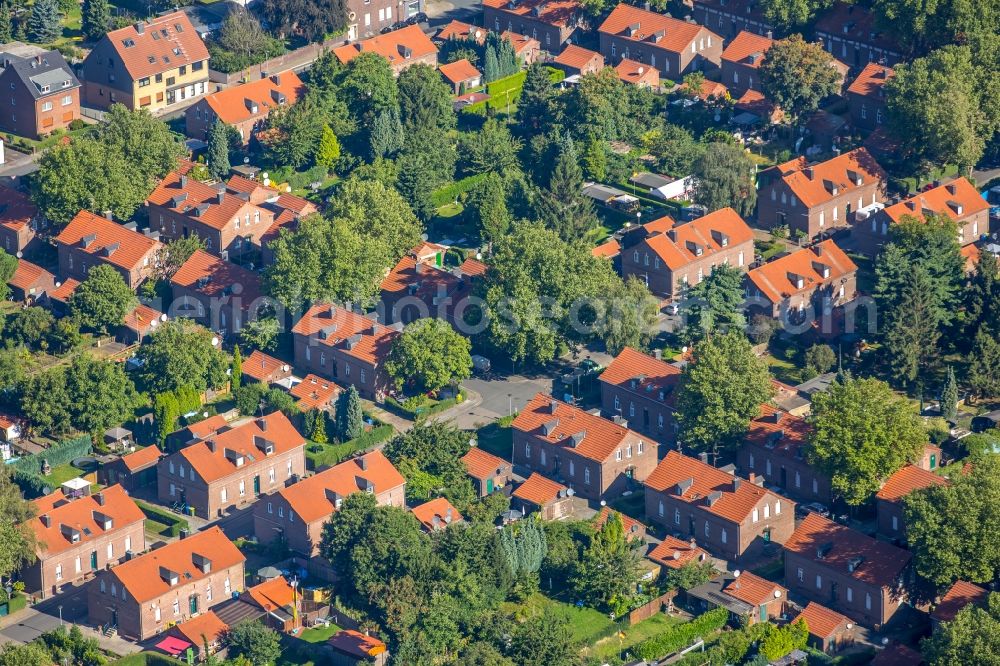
(651,608)
(299,58)
(58,454)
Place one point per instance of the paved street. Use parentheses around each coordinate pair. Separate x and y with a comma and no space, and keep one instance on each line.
(440,12)
(496,397)
(31,623)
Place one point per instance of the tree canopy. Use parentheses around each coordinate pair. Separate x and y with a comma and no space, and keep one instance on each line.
(724,176)
(429,354)
(181,353)
(102,300)
(797,75)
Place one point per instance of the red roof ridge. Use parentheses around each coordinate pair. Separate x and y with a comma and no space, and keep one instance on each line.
(907,479)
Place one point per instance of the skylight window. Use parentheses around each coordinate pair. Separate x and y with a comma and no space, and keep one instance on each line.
(178,27)
(129,43)
(177,51)
(156,36)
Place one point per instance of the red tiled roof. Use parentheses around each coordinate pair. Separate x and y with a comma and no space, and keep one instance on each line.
(473,267)
(200,628)
(835,172)
(710,89)
(234,105)
(520,42)
(907,479)
(754,102)
(778,430)
(882,562)
(673,246)
(16,209)
(482,465)
(733,505)
(391,46)
(652,375)
(141,576)
(871,80)
(753,589)
(211,276)
(165,43)
(64,290)
(554,12)
(960,595)
(675,553)
(822,621)
(459,30)
(261,367)
(79,514)
(127,247)
(660,225)
(578,57)
(142,458)
(438,508)
(243,439)
(273,594)
(459,71)
(357,644)
(371,341)
(601,437)
(411,270)
(607,250)
(745,45)
(854,23)
(314,392)
(636,73)
(898,655)
(775,278)
(27,275)
(676,36)
(972,254)
(204,428)
(142,319)
(633,528)
(539,490)
(945,200)
(192,198)
(311,497)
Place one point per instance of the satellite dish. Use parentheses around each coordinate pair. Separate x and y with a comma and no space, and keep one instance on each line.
(603,503)
(777,594)
(736,574)
(215,341)
(571,492)
(20,254)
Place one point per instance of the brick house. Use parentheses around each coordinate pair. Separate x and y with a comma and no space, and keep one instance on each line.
(244,107)
(805,284)
(138,323)
(298,512)
(402,48)
(576,60)
(233,467)
(592,455)
(315,393)
(89,240)
(461,31)
(265,369)
(866,96)
(461,75)
(674,553)
(30,283)
(846,570)
(195,432)
(889,499)
(850,33)
(681,255)
(958,200)
(526,48)
(215,293)
(142,597)
(148,65)
(489,473)
(729,516)
(344,346)
(44,93)
(368,18)
(958,596)
(741,62)
(829,631)
(815,198)
(436,515)
(671,46)
(76,537)
(640,389)
(774,449)
(731,17)
(133,471)
(19,221)
(226,220)
(552,23)
(637,74)
(420,285)
(551,499)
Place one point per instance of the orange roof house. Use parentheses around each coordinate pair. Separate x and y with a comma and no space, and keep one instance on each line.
(355,644)
(459,30)
(632,527)
(461,75)
(489,472)
(672,46)
(548,497)
(260,367)
(18,216)
(637,73)
(957,200)
(244,107)
(607,250)
(828,629)
(64,524)
(140,322)
(29,282)
(217,294)
(89,240)
(822,275)
(133,470)
(525,48)
(314,392)
(279,601)
(890,519)
(401,48)
(206,627)
(958,596)
(871,81)
(578,60)
(436,514)
(639,389)
(741,61)
(674,553)
(551,22)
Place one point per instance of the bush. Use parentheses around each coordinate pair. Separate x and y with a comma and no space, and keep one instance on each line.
(77,124)
(59,454)
(453,191)
(173,523)
(680,636)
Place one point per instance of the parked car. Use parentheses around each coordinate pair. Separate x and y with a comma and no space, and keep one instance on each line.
(814,507)
(480,364)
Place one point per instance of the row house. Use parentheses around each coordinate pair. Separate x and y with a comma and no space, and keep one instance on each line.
(846,570)
(774,449)
(811,199)
(866,96)
(344,346)
(368,18)
(551,23)
(288,209)
(421,286)
(578,61)
(749,598)
(245,107)
(19,221)
(817,278)
(44,93)
(78,536)
(595,457)
(227,221)
(297,513)
(731,517)
(167,586)
(134,470)
(436,515)
(671,46)
(889,508)
(402,48)
(527,49)
(639,390)
(741,62)
(90,240)
(233,466)
(217,294)
(731,17)
(195,432)
(152,65)
(489,473)
(679,256)
(957,200)
(29,283)
(849,32)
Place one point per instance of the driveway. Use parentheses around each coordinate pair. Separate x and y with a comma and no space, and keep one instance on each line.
(441,12)
(31,623)
(497,396)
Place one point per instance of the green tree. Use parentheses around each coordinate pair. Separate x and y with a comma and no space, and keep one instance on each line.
(820,358)
(435,450)
(491,68)
(292,134)
(145,143)
(595,160)
(378,214)
(6,24)
(369,85)
(487,207)
(544,640)
(218,150)
(675,149)
(629,316)
(386,137)
(492,149)
(425,100)
(244,41)
(982,298)
(350,418)
(27,654)
(690,575)
(973,637)
(609,572)
(797,75)
(862,433)
(249,397)
(716,303)
(102,300)
(313,19)
(101,394)
(261,334)
(8,265)
(426,163)
(949,396)
(912,333)
(342,531)
(720,392)
(570,213)
(536,104)
(45,402)
(236,376)
(181,353)
(175,253)
(429,355)
(984,366)
(17,540)
(166,413)
(329,149)
(30,327)
(44,21)
(724,176)
(258,643)
(96,19)
(789,14)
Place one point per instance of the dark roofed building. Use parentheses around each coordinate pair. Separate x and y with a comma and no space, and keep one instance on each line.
(43,91)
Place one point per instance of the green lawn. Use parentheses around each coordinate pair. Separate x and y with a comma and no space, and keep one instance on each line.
(62,474)
(319,634)
(586,624)
(783,370)
(608,648)
(496,440)
(147,659)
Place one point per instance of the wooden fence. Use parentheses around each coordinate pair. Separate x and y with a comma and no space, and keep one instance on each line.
(650,609)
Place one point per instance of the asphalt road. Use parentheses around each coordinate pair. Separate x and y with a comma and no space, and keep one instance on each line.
(44,616)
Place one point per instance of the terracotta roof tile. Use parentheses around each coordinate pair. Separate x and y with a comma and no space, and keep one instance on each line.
(166,43)
(127,248)
(553,12)
(633,528)
(607,250)
(710,89)
(234,105)
(482,465)
(637,73)
(64,290)
(972,254)
(79,515)
(779,431)
(143,319)
(355,334)
(436,514)
(822,621)
(674,34)
(753,589)
(898,655)
(651,375)
(459,30)
(262,367)
(391,46)
(141,576)
(881,565)
(778,279)
(539,490)
(754,102)
(357,644)
(960,595)
(838,172)
(420,272)
(206,626)
(854,23)
(578,57)
(27,275)
(211,276)
(16,209)
(745,45)
(945,199)
(314,392)
(907,479)
(273,594)
(142,458)
(733,505)
(459,71)
(674,553)
(313,497)
(601,437)
(473,268)
(871,80)
(189,197)
(678,246)
(206,427)
(520,42)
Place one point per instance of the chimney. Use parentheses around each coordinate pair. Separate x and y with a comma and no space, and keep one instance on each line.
(363,462)
(736,483)
(262,424)
(703,456)
(672,234)
(108,215)
(447,516)
(752,478)
(184,181)
(818,249)
(436,521)
(553,405)
(951,187)
(140,27)
(658,354)
(220,197)
(211,445)
(808,171)
(276,79)
(46,520)
(99,498)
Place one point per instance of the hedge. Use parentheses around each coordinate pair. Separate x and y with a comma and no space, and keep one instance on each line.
(680,636)
(331,454)
(451,192)
(173,523)
(16,603)
(31,485)
(62,453)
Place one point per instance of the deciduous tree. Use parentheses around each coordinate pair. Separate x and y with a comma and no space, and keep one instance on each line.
(429,355)
(258,643)
(724,176)
(102,300)
(181,353)
(314,19)
(329,149)
(797,75)
(972,638)
(609,572)
(101,394)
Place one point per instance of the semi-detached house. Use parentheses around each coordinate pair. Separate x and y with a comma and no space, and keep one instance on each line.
(89,240)
(217,294)
(639,389)
(889,499)
(551,22)
(244,107)
(806,284)
(741,62)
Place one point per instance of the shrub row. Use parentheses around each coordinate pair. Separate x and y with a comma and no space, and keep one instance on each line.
(680,636)
(58,454)
(451,192)
(173,523)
